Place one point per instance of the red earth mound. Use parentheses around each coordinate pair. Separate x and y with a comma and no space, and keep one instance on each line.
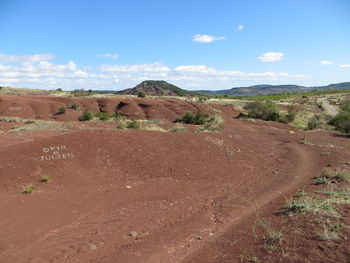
(146,196)
(47,107)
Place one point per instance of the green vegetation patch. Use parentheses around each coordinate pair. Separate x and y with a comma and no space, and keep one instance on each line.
(141,94)
(199,118)
(130,124)
(86,116)
(103,116)
(268,111)
(178,129)
(74,106)
(81,93)
(62,110)
(45,178)
(28,189)
(342,120)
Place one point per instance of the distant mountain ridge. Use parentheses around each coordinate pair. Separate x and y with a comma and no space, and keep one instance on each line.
(272,89)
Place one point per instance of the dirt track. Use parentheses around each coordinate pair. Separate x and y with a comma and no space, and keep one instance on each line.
(328,108)
(185,194)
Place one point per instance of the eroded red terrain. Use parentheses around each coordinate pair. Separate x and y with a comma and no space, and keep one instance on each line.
(146,196)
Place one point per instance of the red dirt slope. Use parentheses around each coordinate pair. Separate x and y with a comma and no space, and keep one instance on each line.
(46,107)
(186,195)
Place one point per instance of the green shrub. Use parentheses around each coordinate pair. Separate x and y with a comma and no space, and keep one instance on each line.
(103,116)
(121,126)
(296,206)
(290,116)
(62,110)
(267,111)
(345,127)
(81,93)
(86,116)
(202,99)
(242,116)
(28,189)
(272,236)
(319,121)
(321,180)
(327,235)
(287,118)
(129,125)
(338,175)
(291,113)
(133,125)
(314,122)
(300,193)
(45,178)
(341,121)
(199,118)
(212,124)
(73,106)
(141,94)
(178,129)
(117,116)
(345,106)
(337,227)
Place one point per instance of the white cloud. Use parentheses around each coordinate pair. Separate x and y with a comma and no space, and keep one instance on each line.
(25,59)
(109,55)
(201,69)
(154,67)
(49,75)
(326,62)
(240,27)
(204,71)
(271,56)
(80,73)
(206,38)
(345,65)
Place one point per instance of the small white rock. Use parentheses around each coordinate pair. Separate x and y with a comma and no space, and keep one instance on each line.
(92,246)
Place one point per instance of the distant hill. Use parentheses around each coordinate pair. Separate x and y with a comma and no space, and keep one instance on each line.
(272,89)
(103,91)
(343,85)
(157,88)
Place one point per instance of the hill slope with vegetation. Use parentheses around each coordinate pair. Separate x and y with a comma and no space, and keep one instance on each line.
(274,89)
(157,88)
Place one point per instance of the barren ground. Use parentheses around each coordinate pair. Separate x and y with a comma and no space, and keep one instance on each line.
(190,197)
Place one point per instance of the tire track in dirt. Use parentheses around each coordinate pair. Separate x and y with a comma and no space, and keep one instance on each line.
(327,107)
(305,169)
(293,178)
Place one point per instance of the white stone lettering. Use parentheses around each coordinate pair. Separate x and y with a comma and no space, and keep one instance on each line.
(56,153)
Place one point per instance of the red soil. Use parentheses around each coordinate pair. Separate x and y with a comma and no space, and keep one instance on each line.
(189,196)
(46,107)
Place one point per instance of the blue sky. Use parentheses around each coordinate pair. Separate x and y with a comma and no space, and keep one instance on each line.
(207,44)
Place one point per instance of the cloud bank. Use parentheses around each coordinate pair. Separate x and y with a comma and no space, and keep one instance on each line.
(38,71)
